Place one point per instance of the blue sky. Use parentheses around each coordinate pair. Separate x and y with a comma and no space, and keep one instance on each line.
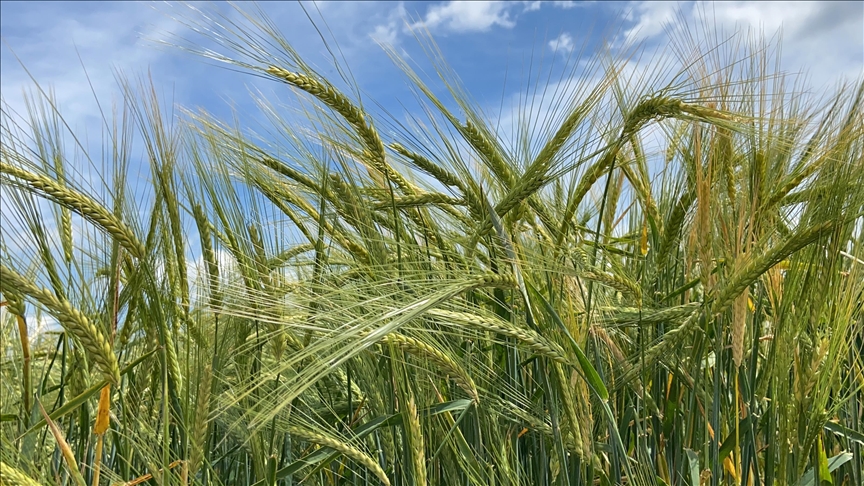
(482,41)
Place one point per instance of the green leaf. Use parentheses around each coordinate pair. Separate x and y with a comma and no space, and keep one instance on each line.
(693,461)
(846,432)
(588,370)
(808,479)
(85,395)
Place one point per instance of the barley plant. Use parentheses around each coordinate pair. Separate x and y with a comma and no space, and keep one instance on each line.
(435,299)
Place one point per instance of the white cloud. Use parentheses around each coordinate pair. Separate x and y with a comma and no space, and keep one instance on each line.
(562,44)
(569,4)
(652,16)
(822,38)
(455,16)
(388,33)
(464,17)
(532,6)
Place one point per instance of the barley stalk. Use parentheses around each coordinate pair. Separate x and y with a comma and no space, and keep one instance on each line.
(81,204)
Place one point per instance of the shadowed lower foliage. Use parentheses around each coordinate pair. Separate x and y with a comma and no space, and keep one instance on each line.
(441,299)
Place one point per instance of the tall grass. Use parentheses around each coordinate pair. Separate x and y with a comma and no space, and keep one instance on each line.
(448,303)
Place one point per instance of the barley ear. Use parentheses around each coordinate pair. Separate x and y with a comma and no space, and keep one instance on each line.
(14,476)
(209,256)
(489,153)
(417,448)
(449,366)
(528,337)
(75,322)
(346,450)
(80,203)
(331,97)
(200,427)
(739,326)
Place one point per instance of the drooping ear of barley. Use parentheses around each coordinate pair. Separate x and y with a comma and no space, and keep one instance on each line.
(17,307)
(573,419)
(345,449)
(447,364)
(331,97)
(759,264)
(80,203)
(530,338)
(211,266)
(78,325)
(489,153)
(15,477)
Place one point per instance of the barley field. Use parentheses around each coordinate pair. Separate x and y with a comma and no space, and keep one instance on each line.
(652,283)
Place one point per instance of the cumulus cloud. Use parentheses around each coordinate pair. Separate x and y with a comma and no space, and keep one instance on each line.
(464,17)
(388,32)
(455,16)
(569,4)
(809,30)
(562,44)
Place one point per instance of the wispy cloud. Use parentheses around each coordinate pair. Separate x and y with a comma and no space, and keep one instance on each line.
(49,41)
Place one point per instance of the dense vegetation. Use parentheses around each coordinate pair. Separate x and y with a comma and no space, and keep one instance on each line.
(442,301)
